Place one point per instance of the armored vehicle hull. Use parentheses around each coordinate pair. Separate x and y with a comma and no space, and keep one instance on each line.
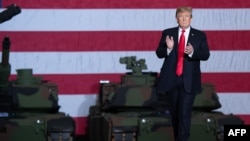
(37,127)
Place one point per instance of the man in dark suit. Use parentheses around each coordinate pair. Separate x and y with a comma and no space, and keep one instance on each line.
(182,86)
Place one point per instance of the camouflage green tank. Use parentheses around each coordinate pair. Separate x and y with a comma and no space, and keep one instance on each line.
(29,108)
(126,109)
(131,110)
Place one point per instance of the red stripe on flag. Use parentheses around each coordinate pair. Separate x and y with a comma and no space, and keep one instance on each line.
(89,83)
(228,82)
(121,40)
(81,125)
(127,3)
(245,118)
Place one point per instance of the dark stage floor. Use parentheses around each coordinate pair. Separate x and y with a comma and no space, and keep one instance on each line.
(81,138)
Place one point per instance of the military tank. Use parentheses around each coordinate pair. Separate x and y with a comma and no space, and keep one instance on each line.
(126,109)
(29,107)
(131,110)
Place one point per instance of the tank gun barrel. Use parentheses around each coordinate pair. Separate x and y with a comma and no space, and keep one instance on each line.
(10,11)
(5,51)
(135,65)
(5,66)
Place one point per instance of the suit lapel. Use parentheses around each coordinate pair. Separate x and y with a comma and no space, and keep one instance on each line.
(191,35)
(175,36)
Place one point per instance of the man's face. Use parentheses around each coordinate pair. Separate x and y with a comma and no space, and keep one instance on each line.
(184,19)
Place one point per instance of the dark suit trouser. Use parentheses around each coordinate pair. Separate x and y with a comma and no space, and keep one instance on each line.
(180,104)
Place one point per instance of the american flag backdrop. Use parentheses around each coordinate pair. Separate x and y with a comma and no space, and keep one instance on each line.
(76,43)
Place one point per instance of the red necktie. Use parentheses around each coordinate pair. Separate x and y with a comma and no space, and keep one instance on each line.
(181,47)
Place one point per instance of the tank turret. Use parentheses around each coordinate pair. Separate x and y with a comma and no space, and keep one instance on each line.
(135,65)
(5,67)
(208,99)
(138,84)
(137,76)
(31,93)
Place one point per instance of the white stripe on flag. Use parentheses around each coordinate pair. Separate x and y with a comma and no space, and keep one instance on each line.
(120,19)
(108,62)
(235,103)
(77,105)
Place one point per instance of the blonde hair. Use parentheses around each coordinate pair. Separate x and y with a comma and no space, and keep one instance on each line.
(183,9)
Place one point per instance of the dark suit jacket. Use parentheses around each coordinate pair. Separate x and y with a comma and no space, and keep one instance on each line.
(191,68)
